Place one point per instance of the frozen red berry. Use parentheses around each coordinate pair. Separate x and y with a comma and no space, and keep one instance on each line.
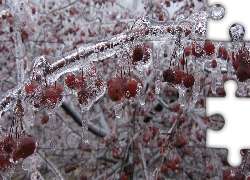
(25,148)
(178,75)
(214,63)
(116,89)
(168,75)
(130,87)
(140,53)
(188,80)
(222,52)
(164,169)
(52,96)
(187,50)
(209,48)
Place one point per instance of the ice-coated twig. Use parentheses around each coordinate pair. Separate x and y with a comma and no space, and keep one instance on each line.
(144,166)
(51,166)
(111,170)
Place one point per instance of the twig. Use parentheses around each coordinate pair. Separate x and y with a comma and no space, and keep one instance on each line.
(78,119)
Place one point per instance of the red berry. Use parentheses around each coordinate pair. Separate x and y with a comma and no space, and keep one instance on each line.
(44,120)
(222,53)
(168,75)
(187,50)
(140,53)
(70,81)
(84,95)
(209,48)
(130,87)
(197,51)
(5,164)
(74,83)
(9,144)
(30,90)
(98,84)
(214,63)
(159,143)
(167,3)
(178,75)
(243,71)
(53,95)
(173,167)
(34,94)
(164,169)
(188,80)
(115,89)
(176,160)
(25,148)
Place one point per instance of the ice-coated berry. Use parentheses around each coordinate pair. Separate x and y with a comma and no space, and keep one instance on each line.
(168,75)
(130,87)
(25,148)
(116,89)
(188,80)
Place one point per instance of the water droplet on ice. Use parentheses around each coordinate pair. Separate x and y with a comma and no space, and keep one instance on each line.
(217,12)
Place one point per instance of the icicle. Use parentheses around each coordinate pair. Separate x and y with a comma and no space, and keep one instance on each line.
(118,110)
(182,96)
(85,135)
(52,122)
(140,95)
(213,82)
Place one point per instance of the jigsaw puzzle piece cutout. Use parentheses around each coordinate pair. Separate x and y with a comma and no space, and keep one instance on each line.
(231,108)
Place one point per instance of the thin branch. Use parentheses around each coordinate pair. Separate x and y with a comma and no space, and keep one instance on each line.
(78,119)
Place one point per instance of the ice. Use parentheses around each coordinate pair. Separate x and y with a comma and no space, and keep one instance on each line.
(85,135)
(118,110)
(217,11)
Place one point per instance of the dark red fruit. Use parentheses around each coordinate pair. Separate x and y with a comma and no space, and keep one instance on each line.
(84,95)
(44,120)
(53,95)
(25,148)
(178,75)
(222,53)
(197,51)
(70,81)
(9,144)
(230,174)
(168,75)
(5,163)
(176,160)
(75,83)
(187,50)
(243,71)
(209,48)
(214,63)
(115,89)
(34,94)
(130,87)
(188,80)
(30,90)
(164,169)
(140,53)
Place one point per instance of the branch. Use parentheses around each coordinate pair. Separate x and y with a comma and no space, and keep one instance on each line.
(78,119)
